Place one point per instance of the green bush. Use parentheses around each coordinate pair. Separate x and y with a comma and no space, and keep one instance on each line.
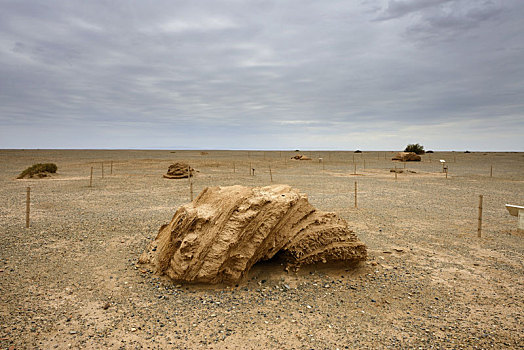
(415,147)
(38,169)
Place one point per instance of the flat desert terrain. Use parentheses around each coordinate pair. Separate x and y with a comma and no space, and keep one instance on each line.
(72,279)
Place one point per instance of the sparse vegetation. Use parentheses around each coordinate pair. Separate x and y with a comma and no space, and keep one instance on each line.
(38,169)
(415,147)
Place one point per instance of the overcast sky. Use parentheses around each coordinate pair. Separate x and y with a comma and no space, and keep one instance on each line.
(370,74)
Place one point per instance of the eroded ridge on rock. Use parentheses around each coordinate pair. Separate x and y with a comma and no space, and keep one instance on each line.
(221,234)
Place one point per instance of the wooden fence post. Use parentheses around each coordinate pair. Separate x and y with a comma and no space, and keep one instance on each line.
(479,227)
(491,171)
(355,194)
(91,178)
(27,206)
(102,170)
(111,173)
(270,174)
(190,183)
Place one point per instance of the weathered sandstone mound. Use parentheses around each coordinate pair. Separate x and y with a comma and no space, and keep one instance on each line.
(407,157)
(179,171)
(221,234)
(300,157)
(38,171)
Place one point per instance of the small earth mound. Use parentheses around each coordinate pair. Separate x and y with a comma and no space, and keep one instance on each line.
(407,157)
(300,157)
(38,171)
(179,171)
(226,230)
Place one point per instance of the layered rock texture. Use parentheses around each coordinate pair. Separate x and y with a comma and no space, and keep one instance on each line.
(226,230)
(179,171)
(407,157)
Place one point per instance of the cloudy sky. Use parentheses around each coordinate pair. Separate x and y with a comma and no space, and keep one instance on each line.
(369,74)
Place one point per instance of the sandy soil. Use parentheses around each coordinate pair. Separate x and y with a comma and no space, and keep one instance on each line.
(72,281)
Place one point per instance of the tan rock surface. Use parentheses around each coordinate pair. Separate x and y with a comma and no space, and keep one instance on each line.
(226,230)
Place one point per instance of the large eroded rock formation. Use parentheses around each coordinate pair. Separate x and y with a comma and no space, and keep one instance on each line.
(221,234)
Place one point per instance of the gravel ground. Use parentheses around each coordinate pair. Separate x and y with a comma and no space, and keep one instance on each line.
(72,281)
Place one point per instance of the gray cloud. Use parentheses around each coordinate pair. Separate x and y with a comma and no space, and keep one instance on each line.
(400,8)
(261,74)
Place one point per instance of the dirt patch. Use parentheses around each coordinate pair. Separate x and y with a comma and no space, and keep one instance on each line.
(447,289)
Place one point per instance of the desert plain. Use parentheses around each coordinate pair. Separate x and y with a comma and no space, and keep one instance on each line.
(72,279)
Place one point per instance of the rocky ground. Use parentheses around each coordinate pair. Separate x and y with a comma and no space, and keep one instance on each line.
(72,280)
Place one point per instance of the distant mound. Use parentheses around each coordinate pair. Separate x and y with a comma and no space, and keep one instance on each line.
(407,157)
(226,230)
(300,157)
(38,171)
(179,171)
